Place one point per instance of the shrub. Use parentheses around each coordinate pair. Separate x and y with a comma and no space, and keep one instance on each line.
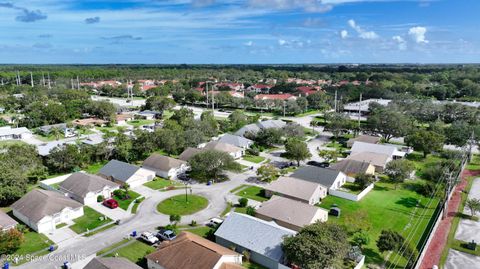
(242,202)
(175,218)
(450,154)
(250,211)
(193,223)
(253,151)
(100,198)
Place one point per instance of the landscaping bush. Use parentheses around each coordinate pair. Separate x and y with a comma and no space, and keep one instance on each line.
(242,202)
(450,154)
(426,189)
(100,198)
(121,194)
(250,211)
(253,151)
(193,223)
(363,180)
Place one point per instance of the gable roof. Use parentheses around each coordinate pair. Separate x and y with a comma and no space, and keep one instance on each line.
(188,153)
(6,221)
(323,176)
(228,148)
(8,130)
(267,124)
(365,138)
(249,128)
(38,204)
(111,263)
(293,187)
(82,183)
(162,163)
(189,251)
(238,141)
(288,210)
(376,159)
(351,166)
(119,170)
(376,148)
(262,237)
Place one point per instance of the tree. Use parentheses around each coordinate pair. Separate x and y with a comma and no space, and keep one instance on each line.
(159,103)
(65,158)
(363,180)
(337,123)
(425,141)
(10,241)
(175,218)
(319,245)
(328,155)
(360,239)
(250,210)
(458,133)
(211,163)
(318,101)
(399,170)
(237,120)
(56,132)
(389,241)
(267,173)
(297,150)
(293,130)
(473,205)
(268,137)
(389,123)
(242,202)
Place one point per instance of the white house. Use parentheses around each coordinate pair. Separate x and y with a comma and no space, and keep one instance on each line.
(297,189)
(329,178)
(165,166)
(43,210)
(234,151)
(121,173)
(85,188)
(391,151)
(9,133)
(238,141)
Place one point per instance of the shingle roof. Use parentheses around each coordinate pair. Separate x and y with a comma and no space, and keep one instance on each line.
(37,204)
(365,138)
(359,147)
(162,163)
(189,251)
(235,140)
(228,148)
(111,263)
(293,187)
(350,166)
(376,159)
(271,124)
(6,221)
(189,153)
(323,176)
(288,210)
(119,170)
(82,183)
(262,237)
(7,130)
(249,128)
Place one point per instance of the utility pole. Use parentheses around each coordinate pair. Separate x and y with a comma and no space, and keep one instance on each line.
(18,78)
(31,79)
(359,112)
(447,194)
(213,103)
(335,105)
(71,83)
(206,87)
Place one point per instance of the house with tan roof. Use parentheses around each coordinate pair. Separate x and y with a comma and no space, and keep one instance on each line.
(43,210)
(85,188)
(363,138)
(111,263)
(234,151)
(6,222)
(296,189)
(165,166)
(289,213)
(190,251)
(353,167)
(188,153)
(378,160)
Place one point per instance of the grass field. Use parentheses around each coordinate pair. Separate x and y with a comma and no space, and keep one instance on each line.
(94,168)
(137,204)
(107,249)
(253,159)
(386,208)
(138,123)
(123,204)
(200,231)
(33,242)
(160,183)
(135,252)
(89,221)
(252,192)
(178,205)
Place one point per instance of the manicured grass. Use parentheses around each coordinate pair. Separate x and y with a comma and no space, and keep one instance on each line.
(116,245)
(104,228)
(227,209)
(242,210)
(475,163)
(138,123)
(178,205)
(123,204)
(461,246)
(253,192)
(6,143)
(308,113)
(161,183)
(137,204)
(200,231)
(89,221)
(253,159)
(252,265)
(94,168)
(34,243)
(238,188)
(386,208)
(352,188)
(135,252)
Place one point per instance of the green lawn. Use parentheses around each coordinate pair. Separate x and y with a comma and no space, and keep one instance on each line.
(94,168)
(475,163)
(138,123)
(253,192)
(386,208)
(200,231)
(160,183)
(123,204)
(137,204)
(89,221)
(104,228)
(178,205)
(109,248)
(135,252)
(49,137)
(6,143)
(33,242)
(253,159)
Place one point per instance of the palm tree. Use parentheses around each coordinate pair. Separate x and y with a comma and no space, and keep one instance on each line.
(55,131)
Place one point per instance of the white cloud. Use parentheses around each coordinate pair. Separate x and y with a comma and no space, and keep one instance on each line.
(344,34)
(307,5)
(418,34)
(402,44)
(282,42)
(248,44)
(361,32)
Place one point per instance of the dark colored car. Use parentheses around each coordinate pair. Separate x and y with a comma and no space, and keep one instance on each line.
(318,164)
(110,203)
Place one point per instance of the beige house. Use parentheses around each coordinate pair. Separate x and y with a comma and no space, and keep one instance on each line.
(111,263)
(353,167)
(289,213)
(121,173)
(296,189)
(188,153)
(234,151)
(85,188)
(165,166)
(363,138)
(378,160)
(6,222)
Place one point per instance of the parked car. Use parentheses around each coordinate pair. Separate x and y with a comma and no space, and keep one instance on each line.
(168,235)
(149,238)
(319,164)
(214,222)
(110,203)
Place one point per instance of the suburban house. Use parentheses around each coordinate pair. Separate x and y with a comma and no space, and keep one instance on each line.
(67,132)
(188,153)
(363,106)
(289,213)
(9,133)
(89,122)
(388,150)
(45,148)
(262,239)
(363,138)
(111,263)
(256,127)
(234,151)
(6,222)
(190,251)
(296,189)
(259,88)
(121,173)
(43,210)
(238,141)
(283,97)
(149,114)
(249,128)
(85,188)
(328,178)
(378,160)
(165,166)
(353,167)
(123,118)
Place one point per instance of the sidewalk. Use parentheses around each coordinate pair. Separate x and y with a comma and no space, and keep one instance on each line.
(435,249)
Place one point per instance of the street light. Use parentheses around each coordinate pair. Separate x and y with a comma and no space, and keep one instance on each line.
(186,191)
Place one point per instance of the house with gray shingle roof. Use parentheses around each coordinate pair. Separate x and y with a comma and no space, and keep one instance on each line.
(188,153)
(122,172)
(111,263)
(6,222)
(232,150)
(256,127)
(85,188)
(238,141)
(297,189)
(165,166)
(261,238)
(328,178)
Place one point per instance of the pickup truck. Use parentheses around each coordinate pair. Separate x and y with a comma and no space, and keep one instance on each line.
(149,238)
(168,235)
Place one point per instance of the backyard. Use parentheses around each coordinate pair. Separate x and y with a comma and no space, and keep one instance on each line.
(89,221)
(252,192)
(179,205)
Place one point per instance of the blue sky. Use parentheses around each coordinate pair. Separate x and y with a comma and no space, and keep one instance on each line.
(239,31)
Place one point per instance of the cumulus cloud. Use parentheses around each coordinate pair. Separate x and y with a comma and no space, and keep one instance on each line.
(282,42)
(402,44)
(362,33)
(25,15)
(248,44)
(307,5)
(92,20)
(418,34)
(344,34)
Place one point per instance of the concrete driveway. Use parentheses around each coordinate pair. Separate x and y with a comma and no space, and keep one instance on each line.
(61,235)
(468,229)
(114,214)
(461,260)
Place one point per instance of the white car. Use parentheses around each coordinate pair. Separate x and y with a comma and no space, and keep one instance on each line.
(149,237)
(214,222)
